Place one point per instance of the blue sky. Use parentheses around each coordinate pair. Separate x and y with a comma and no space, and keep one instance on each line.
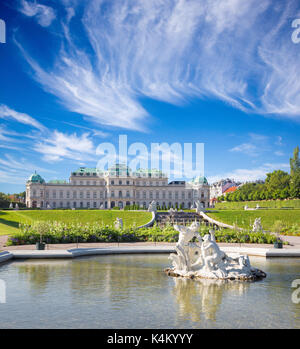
(78,73)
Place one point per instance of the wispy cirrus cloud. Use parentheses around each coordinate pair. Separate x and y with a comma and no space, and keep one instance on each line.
(43,14)
(256,145)
(59,146)
(171,50)
(17,171)
(8,113)
(249,175)
(54,145)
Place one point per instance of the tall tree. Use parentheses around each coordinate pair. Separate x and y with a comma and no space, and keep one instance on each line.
(295,162)
(277,181)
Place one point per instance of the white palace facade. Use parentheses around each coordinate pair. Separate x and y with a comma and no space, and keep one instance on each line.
(118,186)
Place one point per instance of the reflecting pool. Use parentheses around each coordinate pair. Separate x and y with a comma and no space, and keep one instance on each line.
(132,291)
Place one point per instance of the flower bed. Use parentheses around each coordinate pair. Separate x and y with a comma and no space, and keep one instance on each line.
(57,232)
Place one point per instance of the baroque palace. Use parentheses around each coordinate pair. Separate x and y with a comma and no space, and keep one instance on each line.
(118,186)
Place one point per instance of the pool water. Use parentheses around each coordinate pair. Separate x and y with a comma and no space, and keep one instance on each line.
(132,291)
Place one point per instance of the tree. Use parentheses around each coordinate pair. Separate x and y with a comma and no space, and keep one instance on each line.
(295,186)
(277,181)
(295,162)
(295,174)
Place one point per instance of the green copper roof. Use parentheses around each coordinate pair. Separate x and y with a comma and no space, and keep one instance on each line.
(36,178)
(199,180)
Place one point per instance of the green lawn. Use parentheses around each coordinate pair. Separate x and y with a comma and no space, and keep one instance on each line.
(9,220)
(263,203)
(245,219)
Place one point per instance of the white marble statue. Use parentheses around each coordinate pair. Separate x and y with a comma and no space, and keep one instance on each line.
(11,205)
(257,225)
(101,207)
(199,207)
(119,223)
(49,206)
(206,260)
(152,207)
(17,206)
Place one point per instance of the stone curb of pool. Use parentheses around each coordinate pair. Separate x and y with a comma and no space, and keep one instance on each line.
(77,252)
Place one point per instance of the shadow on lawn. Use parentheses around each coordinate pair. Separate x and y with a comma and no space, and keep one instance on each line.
(8,222)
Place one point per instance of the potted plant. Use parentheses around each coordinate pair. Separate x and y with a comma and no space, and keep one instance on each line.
(41,228)
(278,227)
(278,243)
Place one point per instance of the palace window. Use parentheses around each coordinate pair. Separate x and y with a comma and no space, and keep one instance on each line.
(54,204)
(81,195)
(120,182)
(74,204)
(68,204)
(95,195)
(176,194)
(112,182)
(137,194)
(61,204)
(47,194)
(61,194)
(170,195)
(68,194)
(112,194)
(88,204)
(74,194)
(127,194)
(151,195)
(54,194)
(157,194)
(88,194)
(101,194)
(127,182)
(41,193)
(144,195)
(95,204)
(164,194)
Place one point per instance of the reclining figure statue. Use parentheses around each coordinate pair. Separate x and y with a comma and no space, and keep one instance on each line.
(206,260)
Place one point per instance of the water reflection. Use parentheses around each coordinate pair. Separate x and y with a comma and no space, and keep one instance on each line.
(134,292)
(203,296)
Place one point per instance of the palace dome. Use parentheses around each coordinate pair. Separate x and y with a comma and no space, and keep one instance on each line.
(36,178)
(199,180)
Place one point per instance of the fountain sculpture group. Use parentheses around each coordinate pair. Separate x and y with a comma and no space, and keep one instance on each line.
(205,259)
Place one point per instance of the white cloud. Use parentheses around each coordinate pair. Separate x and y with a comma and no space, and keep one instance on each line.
(171,50)
(60,146)
(257,144)
(248,175)
(44,14)
(17,171)
(8,113)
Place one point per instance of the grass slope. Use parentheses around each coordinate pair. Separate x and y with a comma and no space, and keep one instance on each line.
(263,203)
(245,219)
(9,220)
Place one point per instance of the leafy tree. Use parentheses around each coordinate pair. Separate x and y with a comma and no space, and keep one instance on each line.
(277,180)
(295,162)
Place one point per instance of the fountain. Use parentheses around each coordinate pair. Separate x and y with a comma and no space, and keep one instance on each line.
(205,259)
